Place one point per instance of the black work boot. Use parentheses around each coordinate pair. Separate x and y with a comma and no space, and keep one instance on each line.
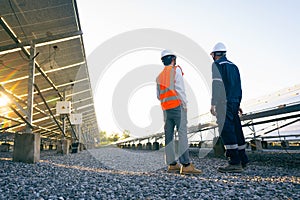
(231,168)
(234,164)
(243,157)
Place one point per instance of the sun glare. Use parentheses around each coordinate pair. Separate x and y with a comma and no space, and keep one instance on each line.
(4,100)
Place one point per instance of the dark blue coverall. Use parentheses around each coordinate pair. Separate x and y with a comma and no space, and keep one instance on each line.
(226,96)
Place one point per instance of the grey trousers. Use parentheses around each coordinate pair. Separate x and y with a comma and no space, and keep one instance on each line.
(176,117)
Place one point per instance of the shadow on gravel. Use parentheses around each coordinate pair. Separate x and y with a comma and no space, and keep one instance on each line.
(276,159)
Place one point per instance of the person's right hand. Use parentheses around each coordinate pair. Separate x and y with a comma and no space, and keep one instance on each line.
(213,110)
(184,108)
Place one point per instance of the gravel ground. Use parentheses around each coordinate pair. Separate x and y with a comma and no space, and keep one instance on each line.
(111,173)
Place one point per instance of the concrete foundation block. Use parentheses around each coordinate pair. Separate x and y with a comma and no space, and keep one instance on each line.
(63,146)
(4,147)
(133,146)
(139,146)
(155,146)
(161,145)
(27,148)
(59,147)
(66,146)
(200,144)
(285,144)
(82,147)
(256,145)
(264,144)
(148,146)
(75,147)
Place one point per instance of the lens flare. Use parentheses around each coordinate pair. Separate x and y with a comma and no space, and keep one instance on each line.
(4,100)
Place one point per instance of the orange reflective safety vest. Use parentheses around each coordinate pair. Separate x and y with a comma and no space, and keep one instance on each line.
(166,85)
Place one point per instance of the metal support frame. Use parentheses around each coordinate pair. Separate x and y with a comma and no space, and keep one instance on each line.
(250,125)
(20,123)
(28,123)
(10,119)
(17,41)
(39,42)
(251,117)
(19,44)
(72,128)
(269,113)
(48,72)
(30,87)
(49,109)
(12,98)
(9,31)
(5,128)
(79,128)
(271,120)
(83,48)
(63,125)
(64,117)
(279,127)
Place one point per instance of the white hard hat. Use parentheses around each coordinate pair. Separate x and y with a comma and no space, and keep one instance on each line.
(167,52)
(219,47)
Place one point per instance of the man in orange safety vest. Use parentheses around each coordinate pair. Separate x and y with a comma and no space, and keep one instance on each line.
(171,93)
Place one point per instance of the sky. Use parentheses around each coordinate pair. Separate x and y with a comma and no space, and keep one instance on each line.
(262,38)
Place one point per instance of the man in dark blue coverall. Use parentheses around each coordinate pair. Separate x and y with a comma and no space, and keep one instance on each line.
(225,105)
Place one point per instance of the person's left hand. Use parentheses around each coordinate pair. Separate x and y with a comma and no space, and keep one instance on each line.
(240,111)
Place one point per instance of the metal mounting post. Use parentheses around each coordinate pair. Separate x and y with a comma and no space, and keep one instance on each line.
(30,87)
(63,116)
(49,109)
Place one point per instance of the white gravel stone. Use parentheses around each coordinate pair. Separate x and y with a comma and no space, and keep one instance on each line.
(111,173)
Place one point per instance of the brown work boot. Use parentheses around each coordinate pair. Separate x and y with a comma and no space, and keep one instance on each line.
(231,168)
(190,169)
(174,168)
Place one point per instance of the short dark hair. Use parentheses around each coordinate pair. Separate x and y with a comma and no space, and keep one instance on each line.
(167,60)
(220,53)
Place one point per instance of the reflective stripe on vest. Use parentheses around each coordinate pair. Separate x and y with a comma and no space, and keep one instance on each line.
(168,95)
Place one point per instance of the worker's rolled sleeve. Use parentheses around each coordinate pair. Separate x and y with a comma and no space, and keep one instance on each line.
(218,91)
(179,87)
